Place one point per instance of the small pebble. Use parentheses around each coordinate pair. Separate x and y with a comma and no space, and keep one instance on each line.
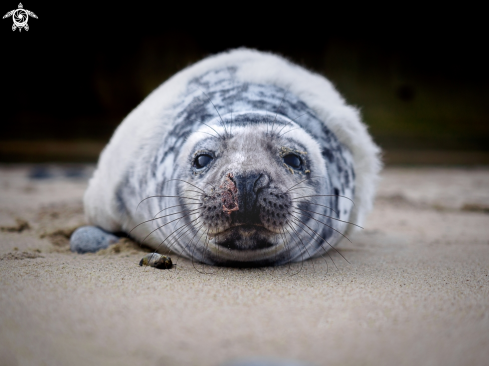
(157,261)
(90,239)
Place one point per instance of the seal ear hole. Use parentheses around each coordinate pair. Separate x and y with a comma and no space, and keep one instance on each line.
(293,161)
(202,161)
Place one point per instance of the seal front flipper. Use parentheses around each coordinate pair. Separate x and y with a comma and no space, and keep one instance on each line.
(90,239)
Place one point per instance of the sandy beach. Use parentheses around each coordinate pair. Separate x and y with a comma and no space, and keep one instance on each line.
(415,290)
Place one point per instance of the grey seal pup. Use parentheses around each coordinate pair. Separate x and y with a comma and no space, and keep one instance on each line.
(242,159)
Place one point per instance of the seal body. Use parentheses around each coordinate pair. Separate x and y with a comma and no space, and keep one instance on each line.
(242,159)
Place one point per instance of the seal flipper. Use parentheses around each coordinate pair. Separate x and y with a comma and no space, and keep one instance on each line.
(90,239)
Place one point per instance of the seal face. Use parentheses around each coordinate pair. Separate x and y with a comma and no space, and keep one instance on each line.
(246,173)
(258,178)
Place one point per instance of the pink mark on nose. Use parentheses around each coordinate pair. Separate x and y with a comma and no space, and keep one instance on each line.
(229,195)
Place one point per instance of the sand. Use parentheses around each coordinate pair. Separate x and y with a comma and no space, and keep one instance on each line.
(415,290)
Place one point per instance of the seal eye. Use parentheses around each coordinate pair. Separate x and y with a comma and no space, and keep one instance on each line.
(202,160)
(292,160)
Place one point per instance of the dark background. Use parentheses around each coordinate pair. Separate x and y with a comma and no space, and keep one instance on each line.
(418,75)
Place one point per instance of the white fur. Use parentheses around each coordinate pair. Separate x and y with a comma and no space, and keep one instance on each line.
(139,135)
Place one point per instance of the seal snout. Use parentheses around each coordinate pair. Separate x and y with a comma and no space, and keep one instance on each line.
(248,187)
(250,201)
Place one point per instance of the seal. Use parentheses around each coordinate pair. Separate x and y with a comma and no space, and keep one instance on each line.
(242,159)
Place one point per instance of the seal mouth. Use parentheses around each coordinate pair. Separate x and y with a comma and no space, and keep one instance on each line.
(243,237)
(245,230)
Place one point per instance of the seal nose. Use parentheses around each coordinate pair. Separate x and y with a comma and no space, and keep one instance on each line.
(248,186)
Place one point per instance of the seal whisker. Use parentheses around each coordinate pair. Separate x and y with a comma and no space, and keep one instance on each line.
(218,134)
(193,262)
(189,243)
(156,249)
(174,241)
(325,251)
(184,181)
(332,247)
(302,181)
(303,245)
(176,223)
(222,122)
(210,134)
(191,240)
(287,250)
(318,204)
(301,253)
(293,189)
(217,240)
(162,196)
(232,122)
(179,205)
(331,217)
(309,254)
(174,231)
(178,218)
(206,241)
(206,249)
(297,128)
(175,238)
(192,190)
(295,118)
(339,232)
(283,97)
(157,218)
(284,237)
(324,195)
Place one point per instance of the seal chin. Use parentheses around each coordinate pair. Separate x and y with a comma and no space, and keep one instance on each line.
(245,237)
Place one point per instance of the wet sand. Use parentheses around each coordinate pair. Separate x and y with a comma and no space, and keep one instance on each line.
(415,290)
